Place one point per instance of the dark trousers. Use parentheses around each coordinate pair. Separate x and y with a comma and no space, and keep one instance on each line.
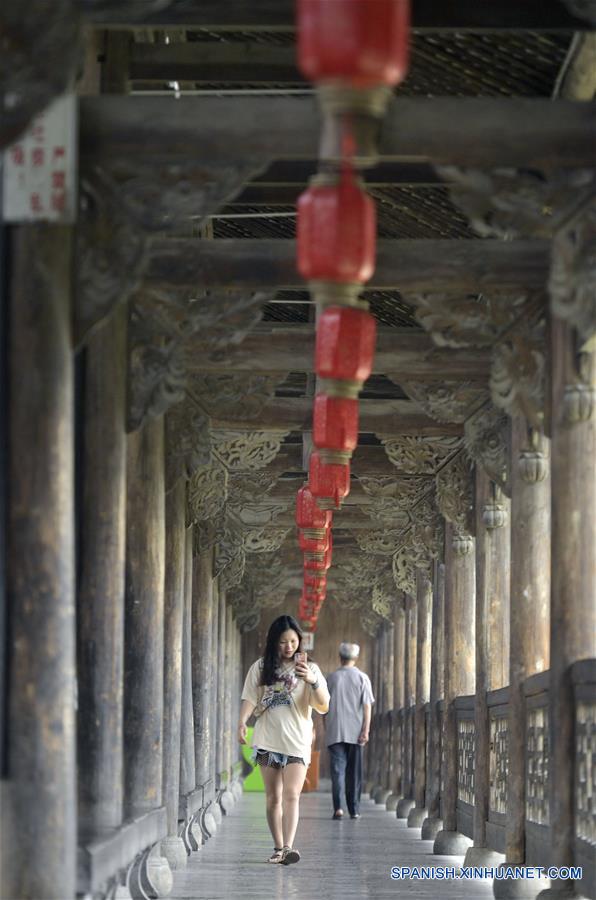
(346,775)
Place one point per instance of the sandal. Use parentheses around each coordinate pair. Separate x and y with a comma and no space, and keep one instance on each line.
(289,856)
(277,855)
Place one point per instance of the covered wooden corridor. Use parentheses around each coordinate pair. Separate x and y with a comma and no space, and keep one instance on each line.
(160,331)
(350,860)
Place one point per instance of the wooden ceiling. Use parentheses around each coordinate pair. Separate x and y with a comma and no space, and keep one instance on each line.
(215,101)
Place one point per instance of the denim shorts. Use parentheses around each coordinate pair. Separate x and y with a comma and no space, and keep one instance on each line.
(275,760)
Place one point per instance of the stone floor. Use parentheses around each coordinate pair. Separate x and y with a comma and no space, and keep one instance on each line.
(344,860)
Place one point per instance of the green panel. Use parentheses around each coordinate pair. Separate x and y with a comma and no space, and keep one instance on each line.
(254,781)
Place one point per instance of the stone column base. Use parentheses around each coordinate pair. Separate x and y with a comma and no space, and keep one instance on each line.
(381,796)
(483,856)
(226,801)
(430,829)
(208,821)
(416,817)
(518,888)
(369,787)
(173,849)
(392,801)
(451,843)
(403,808)
(215,810)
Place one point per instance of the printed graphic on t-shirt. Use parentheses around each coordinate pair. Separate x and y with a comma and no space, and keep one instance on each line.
(278,694)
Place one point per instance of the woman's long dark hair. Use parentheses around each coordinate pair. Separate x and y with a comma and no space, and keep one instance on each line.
(271,654)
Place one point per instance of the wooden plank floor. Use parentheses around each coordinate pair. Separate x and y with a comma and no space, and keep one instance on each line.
(345,860)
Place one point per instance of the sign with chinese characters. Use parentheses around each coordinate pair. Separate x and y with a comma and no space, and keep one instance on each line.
(40,169)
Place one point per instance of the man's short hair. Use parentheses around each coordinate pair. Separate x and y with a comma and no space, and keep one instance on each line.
(348,651)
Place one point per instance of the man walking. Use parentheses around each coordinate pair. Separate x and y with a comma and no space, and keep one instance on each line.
(346,729)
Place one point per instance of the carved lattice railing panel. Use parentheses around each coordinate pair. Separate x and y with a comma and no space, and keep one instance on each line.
(498,761)
(585,767)
(466,759)
(537,765)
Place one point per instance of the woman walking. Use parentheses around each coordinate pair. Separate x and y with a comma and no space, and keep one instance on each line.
(281,689)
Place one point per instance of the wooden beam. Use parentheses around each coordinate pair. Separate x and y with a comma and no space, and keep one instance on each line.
(284,180)
(405,353)
(212,61)
(406,265)
(482,132)
(391,417)
(368,459)
(357,498)
(279,15)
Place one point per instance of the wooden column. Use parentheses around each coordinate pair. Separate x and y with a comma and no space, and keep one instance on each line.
(433,823)
(573,591)
(399,627)
(493,541)
(188,778)
(175,569)
(40,845)
(407,802)
(371,748)
(144,620)
(215,700)
(529,624)
(221,688)
(100,613)
(389,669)
(202,663)
(459,674)
(386,684)
(418,814)
(227,799)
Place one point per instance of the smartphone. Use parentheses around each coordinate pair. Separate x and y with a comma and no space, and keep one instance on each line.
(300,656)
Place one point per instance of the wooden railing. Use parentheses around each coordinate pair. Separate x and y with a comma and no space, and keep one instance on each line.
(538,774)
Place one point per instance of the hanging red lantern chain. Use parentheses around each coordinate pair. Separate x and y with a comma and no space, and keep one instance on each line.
(355,55)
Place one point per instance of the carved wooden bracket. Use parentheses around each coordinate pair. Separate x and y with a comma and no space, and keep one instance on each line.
(446,401)
(420,455)
(517,380)
(111,253)
(471,320)
(41,50)
(382,541)
(391,499)
(455,496)
(188,442)
(162,194)
(207,492)
(232,396)
(572,283)
(242,451)
(170,330)
(487,442)
(507,203)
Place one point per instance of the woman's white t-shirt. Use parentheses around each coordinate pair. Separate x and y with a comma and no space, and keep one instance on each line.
(285,725)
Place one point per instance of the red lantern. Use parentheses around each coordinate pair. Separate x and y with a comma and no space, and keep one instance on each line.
(315,594)
(314,562)
(319,562)
(315,580)
(345,349)
(308,514)
(329,482)
(336,233)
(316,543)
(357,42)
(335,427)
